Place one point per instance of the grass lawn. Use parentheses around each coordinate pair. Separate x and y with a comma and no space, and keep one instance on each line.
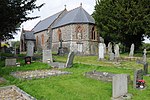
(75,86)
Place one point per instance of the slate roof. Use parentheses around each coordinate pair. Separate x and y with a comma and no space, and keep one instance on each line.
(44,24)
(29,35)
(77,15)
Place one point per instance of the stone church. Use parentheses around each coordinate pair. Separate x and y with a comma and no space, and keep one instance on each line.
(72,30)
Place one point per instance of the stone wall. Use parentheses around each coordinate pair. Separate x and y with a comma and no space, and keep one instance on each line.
(39,45)
(71,40)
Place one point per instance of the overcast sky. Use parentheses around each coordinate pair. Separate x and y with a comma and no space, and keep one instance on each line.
(53,6)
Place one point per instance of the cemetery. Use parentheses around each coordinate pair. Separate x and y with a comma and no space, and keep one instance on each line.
(85,76)
(65,56)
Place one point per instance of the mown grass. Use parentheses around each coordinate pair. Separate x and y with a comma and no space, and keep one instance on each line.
(75,86)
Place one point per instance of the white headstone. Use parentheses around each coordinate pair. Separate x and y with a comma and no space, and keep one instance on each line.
(101,40)
(116,49)
(119,85)
(111,56)
(30,48)
(104,48)
(131,50)
(109,47)
(47,56)
(101,51)
(144,55)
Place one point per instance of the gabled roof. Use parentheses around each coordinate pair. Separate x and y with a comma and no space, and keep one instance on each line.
(44,24)
(28,35)
(77,15)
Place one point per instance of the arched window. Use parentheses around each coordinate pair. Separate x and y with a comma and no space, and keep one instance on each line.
(79,32)
(93,34)
(37,40)
(42,37)
(59,35)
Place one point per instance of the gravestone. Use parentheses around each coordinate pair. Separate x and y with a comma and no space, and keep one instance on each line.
(131,50)
(70,59)
(47,56)
(104,48)
(111,56)
(109,47)
(30,48)
(116,50)
(101,51)
(119,86)
(138,75)
(144,55)
(10,62)
(101,40)
(145,69)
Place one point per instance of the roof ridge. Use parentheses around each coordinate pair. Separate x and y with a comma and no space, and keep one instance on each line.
(52,15)
(36,25)
(85,14)
(59,16)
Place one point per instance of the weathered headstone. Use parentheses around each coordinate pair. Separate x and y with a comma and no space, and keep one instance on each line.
(104,48)
(119,86)
(111,56)
(144,55)
(131,50)
(101,51)
(116,49)
(145,69)
(70,59)
(10,62)
(101,40)
(138,75)
(47,56)
(109,47)
(30,48)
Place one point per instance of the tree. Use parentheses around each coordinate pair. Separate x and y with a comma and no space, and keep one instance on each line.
(124,21)
(13,13)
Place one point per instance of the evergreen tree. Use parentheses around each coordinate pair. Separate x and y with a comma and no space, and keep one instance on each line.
(13,13)
(124,21)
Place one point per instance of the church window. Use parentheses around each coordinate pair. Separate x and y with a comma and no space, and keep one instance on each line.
(59,35)
(79,32)
(37,40)
(42,39)
(93,34)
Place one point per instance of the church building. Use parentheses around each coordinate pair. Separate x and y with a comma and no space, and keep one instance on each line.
(73,30)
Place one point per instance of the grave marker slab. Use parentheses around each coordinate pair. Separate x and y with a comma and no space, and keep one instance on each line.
(116,50)
(101,51)
(111,56)
(70,59)
(131,50)
(145,69)
(119,85)
(144,55)
(30,48)
(47,56)
(109,47)
(138,75)
(10,62)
